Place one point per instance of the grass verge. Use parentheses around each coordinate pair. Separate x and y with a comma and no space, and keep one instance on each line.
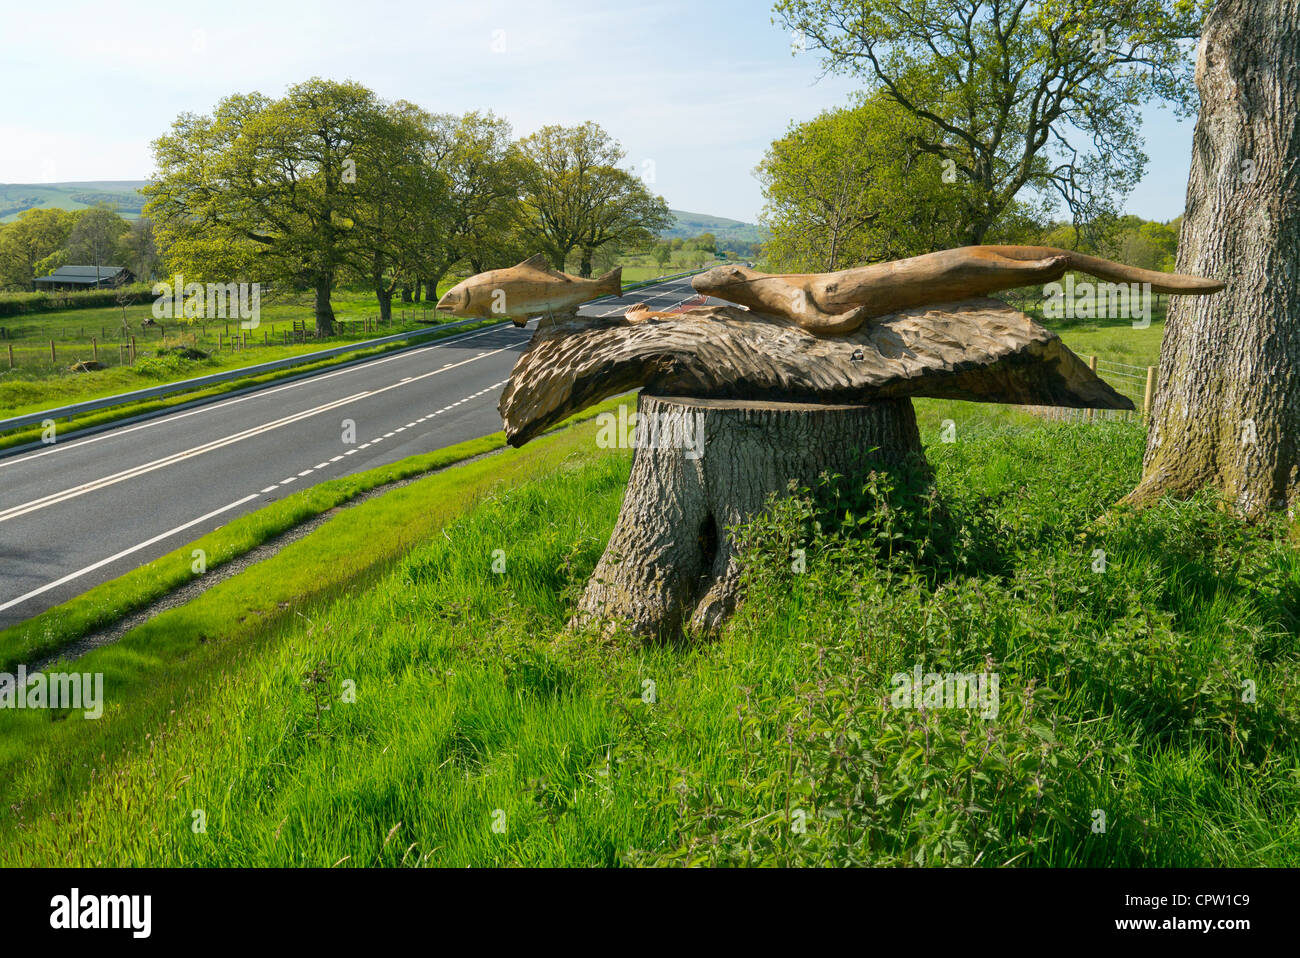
(442,715)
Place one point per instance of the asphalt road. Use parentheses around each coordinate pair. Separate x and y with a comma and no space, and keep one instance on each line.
(83,511)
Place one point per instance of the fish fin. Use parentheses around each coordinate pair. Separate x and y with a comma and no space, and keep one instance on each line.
(611,283)
(538,261)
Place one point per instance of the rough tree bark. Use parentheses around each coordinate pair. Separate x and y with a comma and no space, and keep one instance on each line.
(980,350)
(671,560)
(1227,408)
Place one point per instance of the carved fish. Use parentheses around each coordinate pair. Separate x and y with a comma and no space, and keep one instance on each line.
(530,289)
(834,304)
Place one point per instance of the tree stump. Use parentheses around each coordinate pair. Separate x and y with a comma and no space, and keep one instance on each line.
(701,468)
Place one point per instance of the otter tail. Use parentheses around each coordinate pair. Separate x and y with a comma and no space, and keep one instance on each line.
(1115,272)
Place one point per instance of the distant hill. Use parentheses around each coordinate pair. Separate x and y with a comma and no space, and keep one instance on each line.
(733,231)
(124,194)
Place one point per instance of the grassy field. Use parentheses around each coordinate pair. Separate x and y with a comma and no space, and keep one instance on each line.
(36,383)
(120,194)
(442,715)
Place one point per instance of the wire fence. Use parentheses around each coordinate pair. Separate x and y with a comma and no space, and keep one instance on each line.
(81,348)
(1137,383)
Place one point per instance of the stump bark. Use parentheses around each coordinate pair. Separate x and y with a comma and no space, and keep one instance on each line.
(701,468)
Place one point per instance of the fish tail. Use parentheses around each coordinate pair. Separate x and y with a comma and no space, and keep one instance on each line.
(611,283)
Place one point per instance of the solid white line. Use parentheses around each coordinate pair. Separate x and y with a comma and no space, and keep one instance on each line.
(95,484)
(125,552)
(55,498)
(114,433)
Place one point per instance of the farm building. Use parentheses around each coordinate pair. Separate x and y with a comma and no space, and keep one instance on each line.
(84,277)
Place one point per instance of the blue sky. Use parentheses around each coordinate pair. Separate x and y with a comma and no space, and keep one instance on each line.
(697,89)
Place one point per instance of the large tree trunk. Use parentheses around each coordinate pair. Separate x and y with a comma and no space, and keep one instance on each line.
(1227,410)
(384,293)
(703,466)
(324,311)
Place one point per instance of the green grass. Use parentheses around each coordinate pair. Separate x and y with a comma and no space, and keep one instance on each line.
(182,370)
(1121,692)
(35,383)
(110,602)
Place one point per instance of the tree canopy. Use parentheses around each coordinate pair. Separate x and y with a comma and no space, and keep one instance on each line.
(848,187)
(1015,94)
(330,183)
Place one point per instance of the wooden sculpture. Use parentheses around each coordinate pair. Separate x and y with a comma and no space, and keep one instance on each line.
(530,289)
(832,304)
(737,401)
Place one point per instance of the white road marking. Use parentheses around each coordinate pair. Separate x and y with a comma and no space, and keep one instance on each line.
(125,552)
(96,484)
(149,467)
(55,498)
(126,430)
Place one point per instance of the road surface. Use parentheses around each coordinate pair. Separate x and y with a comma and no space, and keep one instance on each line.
(83,511)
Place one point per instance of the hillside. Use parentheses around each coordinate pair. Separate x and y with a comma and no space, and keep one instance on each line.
(124,194)
(734,231)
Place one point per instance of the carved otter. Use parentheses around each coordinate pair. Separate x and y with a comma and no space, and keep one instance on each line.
(835,304)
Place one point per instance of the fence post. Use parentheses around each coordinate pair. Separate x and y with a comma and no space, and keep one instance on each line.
(53,361)
(1092,364)
(1149,394)
(218,342)
(94,347)
(132,350)
(11,355)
